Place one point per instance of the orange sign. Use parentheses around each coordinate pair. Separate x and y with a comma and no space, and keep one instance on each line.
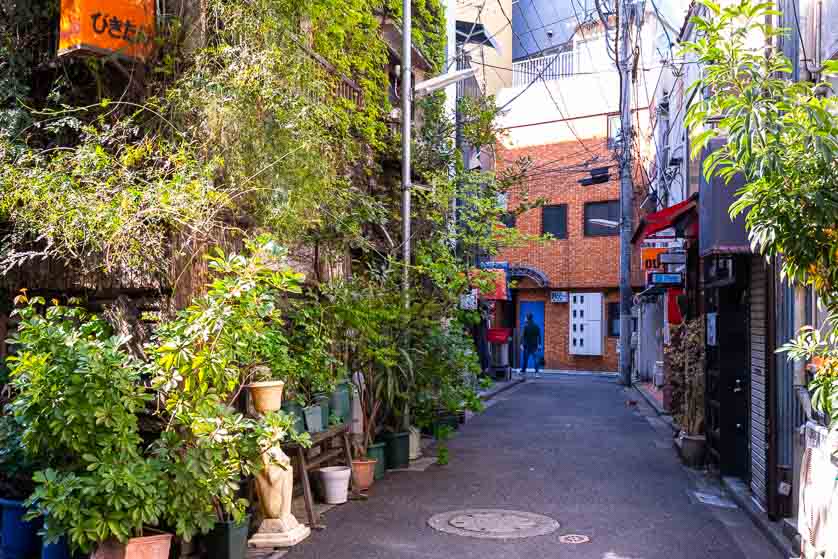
(650,259)
(124,28)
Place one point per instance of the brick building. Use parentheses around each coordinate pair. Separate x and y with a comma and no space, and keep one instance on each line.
(580,264)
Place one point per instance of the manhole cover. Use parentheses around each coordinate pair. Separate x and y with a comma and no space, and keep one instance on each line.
(493,523)
(574,539)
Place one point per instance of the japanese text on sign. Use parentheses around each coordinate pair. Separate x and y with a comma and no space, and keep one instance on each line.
(104,27)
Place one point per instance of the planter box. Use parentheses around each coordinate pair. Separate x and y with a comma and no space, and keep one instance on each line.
(691,449)
(227,540)
(397,450)
(146,547)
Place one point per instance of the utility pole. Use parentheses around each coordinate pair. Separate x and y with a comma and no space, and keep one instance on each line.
(626,195)
(406,122)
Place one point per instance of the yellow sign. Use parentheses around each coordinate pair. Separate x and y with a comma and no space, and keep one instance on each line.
(124,28)
(650,259)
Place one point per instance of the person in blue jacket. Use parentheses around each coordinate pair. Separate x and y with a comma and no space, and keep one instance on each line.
(531,342)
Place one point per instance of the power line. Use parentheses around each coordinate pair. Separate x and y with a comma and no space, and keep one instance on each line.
(541,77)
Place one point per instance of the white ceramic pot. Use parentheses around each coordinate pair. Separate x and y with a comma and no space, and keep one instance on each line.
(335,484)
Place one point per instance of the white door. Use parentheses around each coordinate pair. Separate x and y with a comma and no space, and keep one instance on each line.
(585,324)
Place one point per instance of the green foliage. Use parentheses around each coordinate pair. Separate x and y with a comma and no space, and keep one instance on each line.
(16,468)
(782,136)
(442,433)
(78,391)
(248,129)
(225,338)
(314,368)
(822,349)
(78,394)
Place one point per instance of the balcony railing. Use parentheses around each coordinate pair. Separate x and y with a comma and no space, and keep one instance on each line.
(553,67)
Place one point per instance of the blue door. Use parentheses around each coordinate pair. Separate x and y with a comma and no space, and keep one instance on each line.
(537,310)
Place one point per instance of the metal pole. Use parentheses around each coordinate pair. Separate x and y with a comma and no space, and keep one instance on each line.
(626,201)
(406,183)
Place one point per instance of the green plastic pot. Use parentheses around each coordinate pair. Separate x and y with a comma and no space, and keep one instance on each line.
(227,540)
(295,410)
(397,450)
(314,419)
(322,400)
(376,452)
(341,401)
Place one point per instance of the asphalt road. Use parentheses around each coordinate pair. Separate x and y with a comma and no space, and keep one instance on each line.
(568,448)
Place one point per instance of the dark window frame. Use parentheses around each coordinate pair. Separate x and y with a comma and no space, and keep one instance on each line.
(601,231)
(563,207)
(613,314)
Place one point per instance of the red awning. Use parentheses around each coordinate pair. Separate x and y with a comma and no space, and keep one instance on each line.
(658,221)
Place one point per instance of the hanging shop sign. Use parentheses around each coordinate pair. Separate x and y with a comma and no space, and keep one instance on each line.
(124,28)
(650,257)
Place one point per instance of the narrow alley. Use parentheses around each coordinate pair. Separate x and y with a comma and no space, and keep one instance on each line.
(575,449)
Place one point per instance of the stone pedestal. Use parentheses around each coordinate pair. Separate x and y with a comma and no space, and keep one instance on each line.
(275,484)
(276,532)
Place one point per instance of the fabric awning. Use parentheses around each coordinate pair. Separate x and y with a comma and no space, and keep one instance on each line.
(668,217)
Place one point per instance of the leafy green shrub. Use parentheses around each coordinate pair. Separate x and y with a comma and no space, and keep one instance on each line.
(78,394)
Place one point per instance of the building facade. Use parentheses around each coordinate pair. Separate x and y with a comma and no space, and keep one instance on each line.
(562,117)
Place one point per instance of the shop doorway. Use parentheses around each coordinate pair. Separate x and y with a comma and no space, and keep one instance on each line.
(537,310)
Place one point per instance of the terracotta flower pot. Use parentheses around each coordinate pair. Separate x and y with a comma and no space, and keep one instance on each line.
(147,547)
(363,472)
(267,396)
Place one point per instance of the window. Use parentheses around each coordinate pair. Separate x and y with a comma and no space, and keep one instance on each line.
(508,219)
(614,320)
(607,215)
(554,221)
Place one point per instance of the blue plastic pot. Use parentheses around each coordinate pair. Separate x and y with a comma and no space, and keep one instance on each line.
(20,538)
(57,550)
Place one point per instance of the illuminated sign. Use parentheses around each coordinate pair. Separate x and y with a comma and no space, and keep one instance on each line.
(123,28)
(650,258)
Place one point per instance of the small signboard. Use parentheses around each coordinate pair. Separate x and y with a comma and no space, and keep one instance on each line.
(123,28)
(559,297)
(665,279)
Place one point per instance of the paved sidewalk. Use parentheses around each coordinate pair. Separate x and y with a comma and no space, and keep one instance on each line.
(577,449)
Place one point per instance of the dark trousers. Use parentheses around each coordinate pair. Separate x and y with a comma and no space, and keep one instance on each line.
(530,352)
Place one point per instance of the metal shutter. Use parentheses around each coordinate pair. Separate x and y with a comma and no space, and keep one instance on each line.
(759,421)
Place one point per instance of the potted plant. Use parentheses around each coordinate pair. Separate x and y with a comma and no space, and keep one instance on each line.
(207,445)
(265,393)
(99,485)
(340,400)
(686,358)
(19,538)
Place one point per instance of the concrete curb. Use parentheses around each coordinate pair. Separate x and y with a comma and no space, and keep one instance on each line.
(494,391)
(770,529)
(652,403)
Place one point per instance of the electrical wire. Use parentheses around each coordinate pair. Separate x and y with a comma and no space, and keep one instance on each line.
(541,77)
